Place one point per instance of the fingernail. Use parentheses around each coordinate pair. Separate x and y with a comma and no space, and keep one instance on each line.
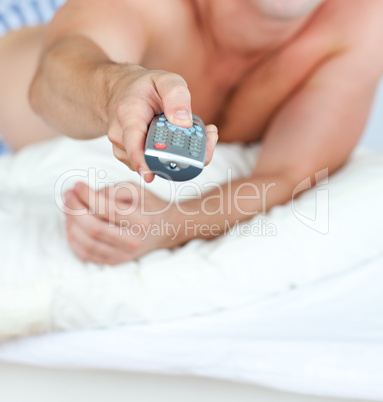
(182,115)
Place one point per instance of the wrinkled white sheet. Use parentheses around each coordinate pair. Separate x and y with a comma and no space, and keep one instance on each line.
(44,287)
(324,339)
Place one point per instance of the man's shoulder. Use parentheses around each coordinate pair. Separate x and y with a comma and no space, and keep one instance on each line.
(349,27)
(357,22)
(353,31)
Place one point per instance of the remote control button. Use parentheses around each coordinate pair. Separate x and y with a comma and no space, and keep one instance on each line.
(198,128)
(195,154)
(192,129)
(196,122)
(172,128)
(159,145)
(168,123)
(178,145)
(160,124)
(162,119)
(198,134)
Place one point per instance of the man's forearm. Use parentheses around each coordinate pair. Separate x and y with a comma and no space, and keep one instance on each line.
(72,85)
(236,201)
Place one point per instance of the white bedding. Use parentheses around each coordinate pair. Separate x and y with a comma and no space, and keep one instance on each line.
(325,339)
(44,287)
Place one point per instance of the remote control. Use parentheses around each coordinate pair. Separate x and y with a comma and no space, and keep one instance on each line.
(176,153)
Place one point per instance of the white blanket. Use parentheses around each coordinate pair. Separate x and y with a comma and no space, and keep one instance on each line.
(324,339)
(44,287)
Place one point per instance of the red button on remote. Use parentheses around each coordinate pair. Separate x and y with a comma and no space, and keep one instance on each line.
(159,145)
(196,122)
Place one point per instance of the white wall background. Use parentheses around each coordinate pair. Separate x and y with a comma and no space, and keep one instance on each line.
(373,136)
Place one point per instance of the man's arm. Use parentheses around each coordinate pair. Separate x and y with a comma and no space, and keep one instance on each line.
(89,82)
(78,64)
(317,129)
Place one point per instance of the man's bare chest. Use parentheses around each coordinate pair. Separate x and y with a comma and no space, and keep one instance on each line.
(243,98)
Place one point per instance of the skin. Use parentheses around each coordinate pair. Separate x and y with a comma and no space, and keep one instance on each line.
(299,75)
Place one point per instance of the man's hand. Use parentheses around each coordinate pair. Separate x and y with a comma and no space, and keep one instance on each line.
(136,96)
(116,224)
(89,81)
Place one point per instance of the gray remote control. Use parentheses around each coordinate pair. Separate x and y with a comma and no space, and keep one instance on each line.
(176,153)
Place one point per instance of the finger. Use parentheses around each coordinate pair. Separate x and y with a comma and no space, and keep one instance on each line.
(112,233)
(176,99)
(111,204)
(95,201)
(89,249)
(134,138)
(93,225)
(122,156)
(124,197)
(212,139)
(71,206)
(133,117)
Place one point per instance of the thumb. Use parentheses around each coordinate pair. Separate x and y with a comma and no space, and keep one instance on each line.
(176,99)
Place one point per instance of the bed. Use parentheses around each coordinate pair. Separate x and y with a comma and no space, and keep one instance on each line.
(318,342)
(324,340)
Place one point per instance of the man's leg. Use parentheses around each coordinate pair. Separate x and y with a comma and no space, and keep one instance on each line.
(19,53)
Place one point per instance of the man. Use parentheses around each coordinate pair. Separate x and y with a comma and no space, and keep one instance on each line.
(298,74)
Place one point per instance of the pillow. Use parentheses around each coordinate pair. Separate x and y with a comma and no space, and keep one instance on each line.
(43,286)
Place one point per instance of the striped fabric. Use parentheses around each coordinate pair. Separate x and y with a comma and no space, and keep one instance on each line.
(15,14)
(3,148)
